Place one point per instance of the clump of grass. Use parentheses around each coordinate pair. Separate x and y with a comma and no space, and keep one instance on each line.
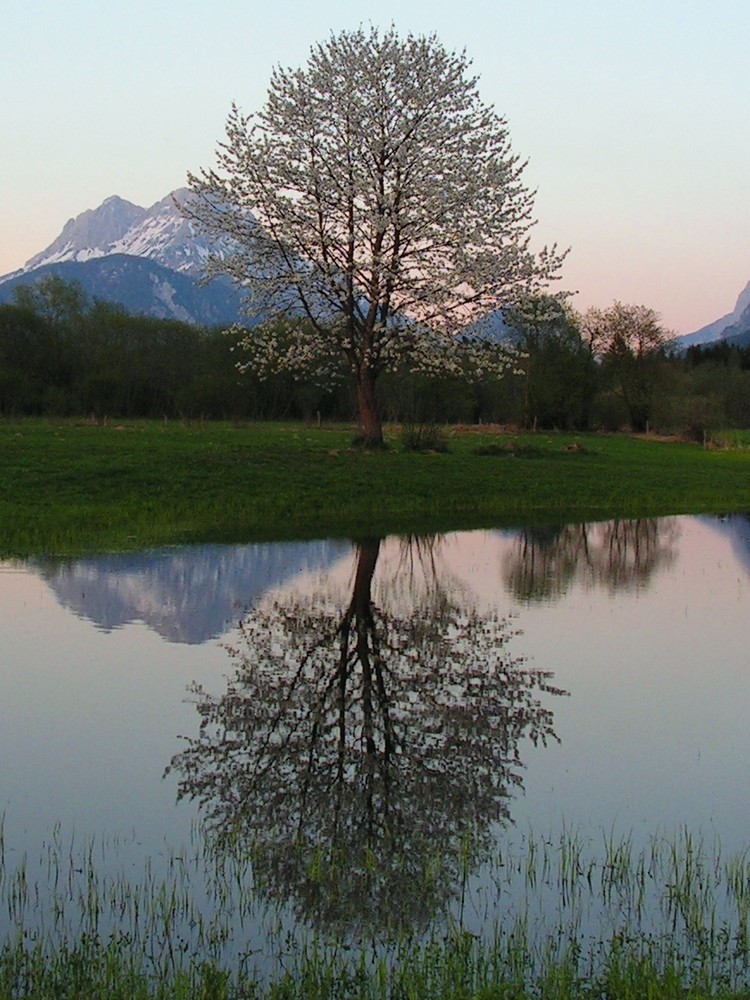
(735,440)
(424,437)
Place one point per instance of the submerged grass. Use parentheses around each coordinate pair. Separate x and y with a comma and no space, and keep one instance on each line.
(69,487)
(552,918)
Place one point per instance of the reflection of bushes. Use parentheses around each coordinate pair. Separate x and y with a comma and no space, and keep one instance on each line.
(620,555)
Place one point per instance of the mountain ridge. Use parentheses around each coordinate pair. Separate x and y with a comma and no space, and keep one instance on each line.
(732,325)
(166,239)
(149,260)
(160,232)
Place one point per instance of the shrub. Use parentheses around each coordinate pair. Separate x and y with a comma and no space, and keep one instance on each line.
(423,437)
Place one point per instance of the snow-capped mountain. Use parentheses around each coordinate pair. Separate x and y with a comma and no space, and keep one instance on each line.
(164,234)
(149,260)
(734,324)
(90,234)
(160,233)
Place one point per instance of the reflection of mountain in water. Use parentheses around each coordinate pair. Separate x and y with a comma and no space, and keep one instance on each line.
(736,528)
(185,595)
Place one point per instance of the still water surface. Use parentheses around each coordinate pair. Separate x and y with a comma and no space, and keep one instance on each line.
(387,698)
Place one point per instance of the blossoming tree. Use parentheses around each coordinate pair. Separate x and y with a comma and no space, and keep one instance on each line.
(376,197)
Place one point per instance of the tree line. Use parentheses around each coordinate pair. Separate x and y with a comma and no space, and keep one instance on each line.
(63,354)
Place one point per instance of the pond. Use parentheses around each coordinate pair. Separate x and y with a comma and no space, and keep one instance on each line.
(367,730)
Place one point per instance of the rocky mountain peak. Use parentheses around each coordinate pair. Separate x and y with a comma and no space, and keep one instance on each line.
(733,324)
(149,260)
(743,303)
(90,234)
(117,226)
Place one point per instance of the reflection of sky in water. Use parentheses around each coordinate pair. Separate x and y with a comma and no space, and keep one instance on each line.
(653,735)
(88,720)
(655,732)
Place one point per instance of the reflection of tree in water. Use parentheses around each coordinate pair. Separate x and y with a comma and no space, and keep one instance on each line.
(621,555)
(358,749)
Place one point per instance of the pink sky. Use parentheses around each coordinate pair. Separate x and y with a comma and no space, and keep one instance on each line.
(632,118)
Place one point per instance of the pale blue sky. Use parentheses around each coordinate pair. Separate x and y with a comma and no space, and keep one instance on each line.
(634,117)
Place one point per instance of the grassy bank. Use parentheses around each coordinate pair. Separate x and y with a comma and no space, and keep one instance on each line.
(73,486)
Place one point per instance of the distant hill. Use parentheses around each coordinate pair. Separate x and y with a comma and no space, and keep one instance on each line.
(149,260)
(142,286)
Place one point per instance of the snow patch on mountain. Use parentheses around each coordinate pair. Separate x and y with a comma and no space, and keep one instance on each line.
(165,293)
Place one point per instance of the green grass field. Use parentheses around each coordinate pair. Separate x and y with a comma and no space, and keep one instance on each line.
(69,486)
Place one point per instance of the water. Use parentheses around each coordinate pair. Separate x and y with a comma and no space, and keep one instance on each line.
(387,716)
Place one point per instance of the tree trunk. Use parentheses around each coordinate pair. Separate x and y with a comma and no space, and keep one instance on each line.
(367,557)
(370,425)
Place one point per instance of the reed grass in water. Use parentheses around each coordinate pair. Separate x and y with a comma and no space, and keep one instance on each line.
(554,917)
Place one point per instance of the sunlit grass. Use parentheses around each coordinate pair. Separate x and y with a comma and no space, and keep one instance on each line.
(69,487)
(554,917)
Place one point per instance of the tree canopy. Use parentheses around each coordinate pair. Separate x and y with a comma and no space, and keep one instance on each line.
(631,342)
(376,196)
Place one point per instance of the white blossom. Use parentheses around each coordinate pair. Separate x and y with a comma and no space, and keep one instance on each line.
(377,196)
